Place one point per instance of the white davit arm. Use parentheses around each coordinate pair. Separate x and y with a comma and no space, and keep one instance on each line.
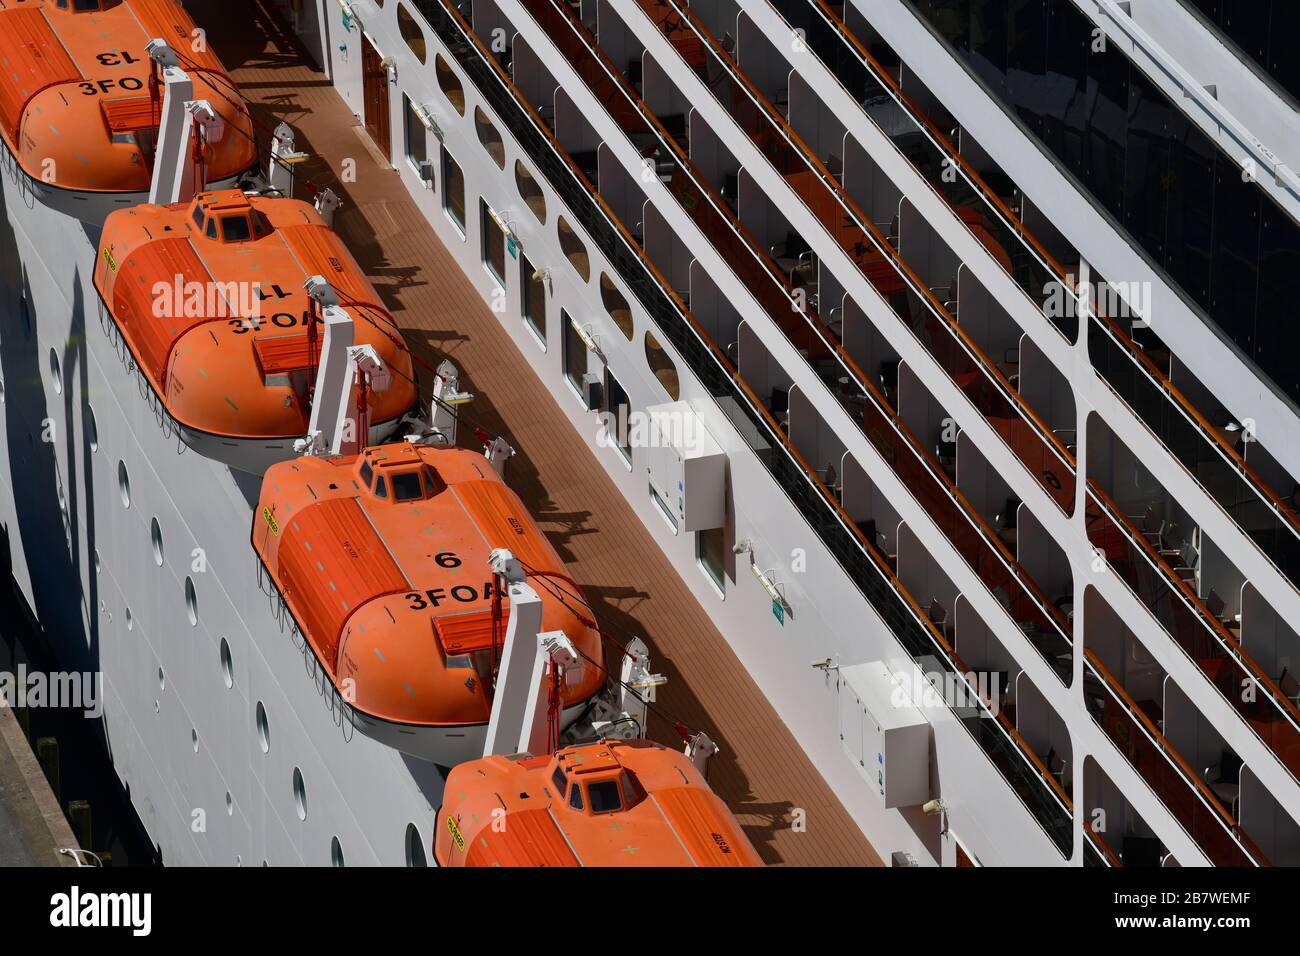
(333,411)
(173,170)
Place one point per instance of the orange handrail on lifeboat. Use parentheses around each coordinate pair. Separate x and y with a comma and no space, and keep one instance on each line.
(382,560)
(606,803)
(76,110)
(209,298)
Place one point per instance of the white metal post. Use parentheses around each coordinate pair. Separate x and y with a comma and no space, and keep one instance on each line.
(514,693)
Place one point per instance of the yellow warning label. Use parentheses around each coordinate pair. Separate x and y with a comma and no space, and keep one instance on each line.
(271,523)
(456,836)
(109,260)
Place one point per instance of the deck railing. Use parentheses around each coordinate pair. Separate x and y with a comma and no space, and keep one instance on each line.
(1026,775)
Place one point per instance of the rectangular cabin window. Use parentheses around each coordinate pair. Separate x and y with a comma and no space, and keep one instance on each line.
(534,299)
(417,137)
(406,486)
(235,229)
(711,552)
(381,488)
(198,218)
(574,352)
(575,797)
(367,475)
(617,407)
(494,243)
(604,797)
(560,782)
(453,190)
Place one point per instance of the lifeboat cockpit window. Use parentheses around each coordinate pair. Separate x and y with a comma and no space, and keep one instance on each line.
(212,228)
(560,782)
(235,229)
(406,486)
(198,217)
(381,488)
(575,797)
(604,796)
(367,474)
(80,6)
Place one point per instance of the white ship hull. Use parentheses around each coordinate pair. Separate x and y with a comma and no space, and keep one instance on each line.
(186,746)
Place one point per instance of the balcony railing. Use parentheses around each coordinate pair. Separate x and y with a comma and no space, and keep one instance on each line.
(1042,623)
(935,327)
(1193,804)
(1263,514)
(1218,468)
(1025,773)
(984,210)
(1205,639)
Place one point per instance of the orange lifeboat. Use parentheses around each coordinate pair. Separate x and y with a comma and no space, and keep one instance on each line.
(79,111)
(208,297)
(382,560)
(607,803)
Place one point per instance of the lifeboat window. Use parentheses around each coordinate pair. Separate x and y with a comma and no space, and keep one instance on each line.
(433,482)
(367,474)
(560,782)
(198,218)
(575,797)
(629,792)
(235,229)
(381,487)
(604,797)
(211,232)
(406,486)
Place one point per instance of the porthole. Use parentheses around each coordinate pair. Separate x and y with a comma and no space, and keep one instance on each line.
(92,429)
(299,794)
(616,305)
(56,373)
(415,847)
(155,535)
(227,664)
(411,32)
(573,249)
(530,192)
(191,602)
(449,83)
(263,728)
(124,484)
(662,367)
(336,852)
(489,137)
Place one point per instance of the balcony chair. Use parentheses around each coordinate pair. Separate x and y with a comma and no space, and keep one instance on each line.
(1058,767)
(1189,563)
(938,615)
(1289,685)
(1224,779)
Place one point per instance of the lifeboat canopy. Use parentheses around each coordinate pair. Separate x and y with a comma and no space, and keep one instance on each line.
(382,559)
(209,298)
(605,803)
(77,107)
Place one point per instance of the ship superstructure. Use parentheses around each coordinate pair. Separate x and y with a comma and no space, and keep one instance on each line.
(983,306)
(208,395)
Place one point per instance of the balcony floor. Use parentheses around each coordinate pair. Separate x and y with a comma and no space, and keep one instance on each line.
(761,771)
